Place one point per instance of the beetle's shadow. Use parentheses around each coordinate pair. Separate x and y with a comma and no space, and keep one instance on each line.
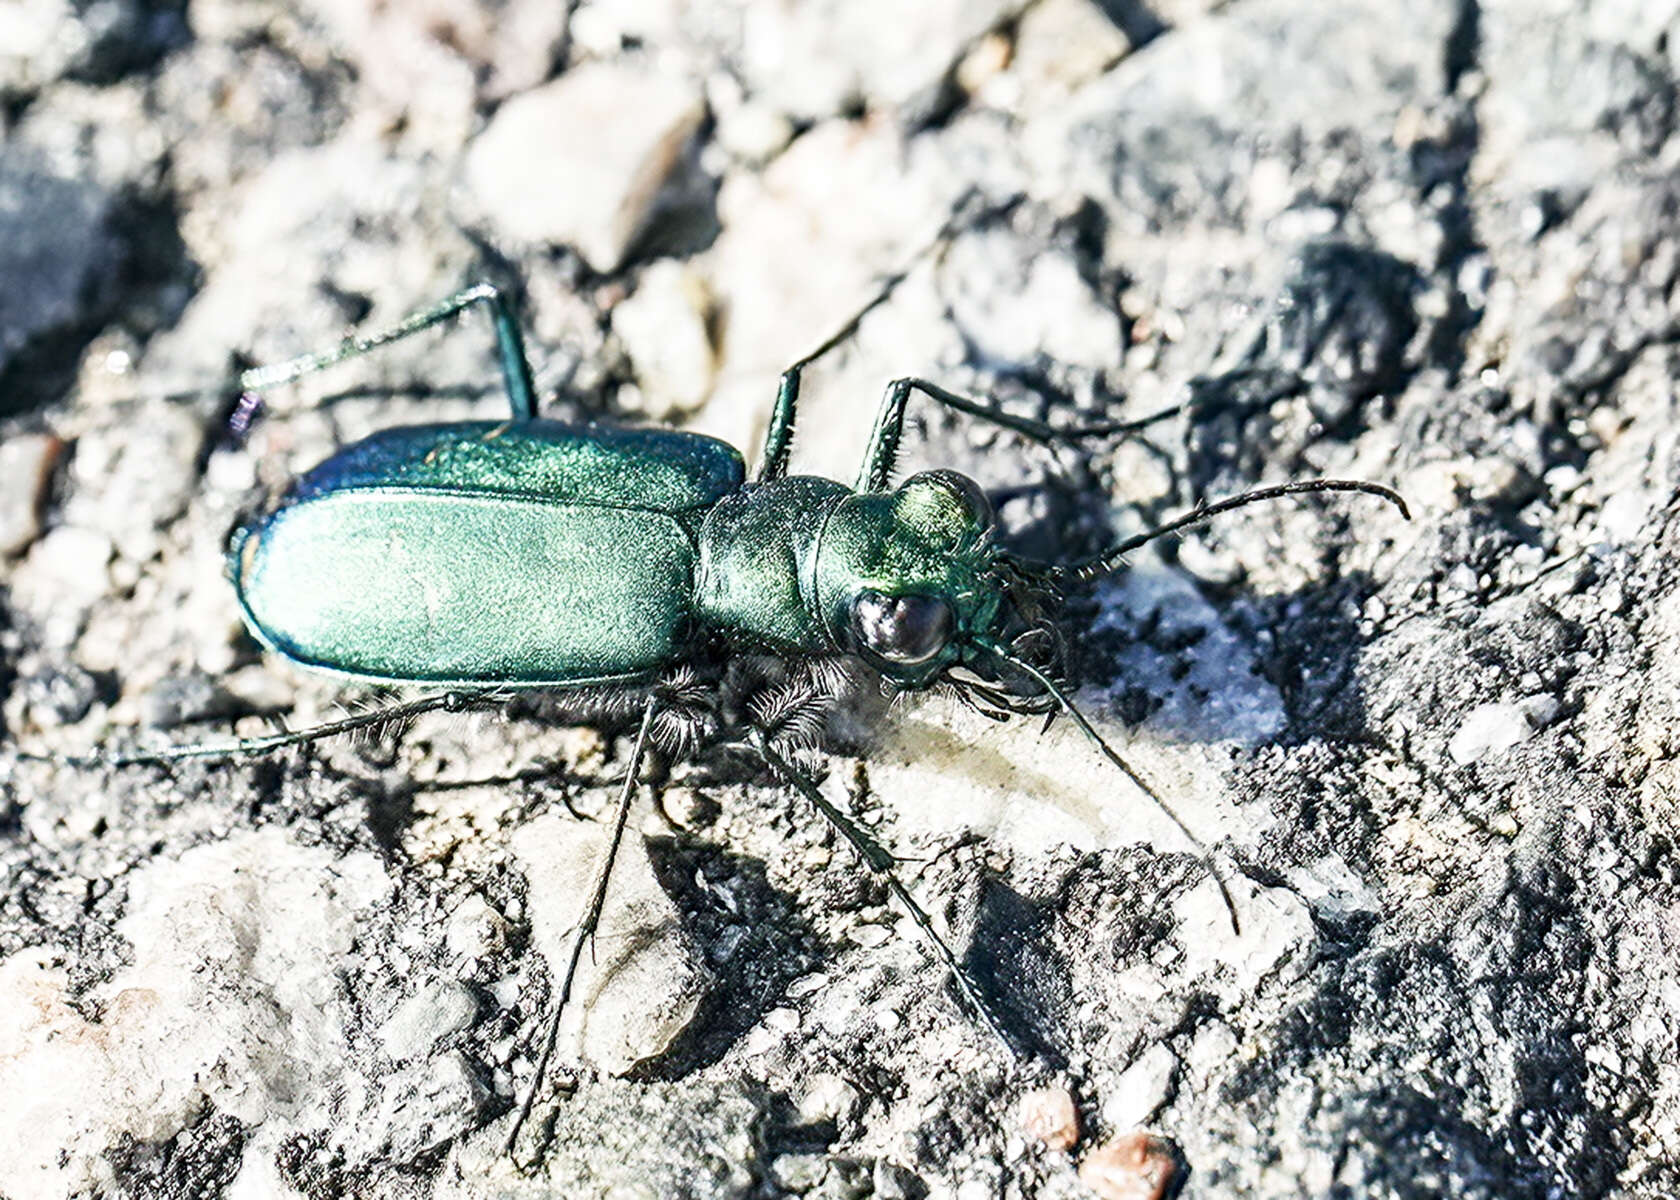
(756,938)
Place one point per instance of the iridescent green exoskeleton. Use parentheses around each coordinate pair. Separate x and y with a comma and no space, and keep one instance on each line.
(486,557)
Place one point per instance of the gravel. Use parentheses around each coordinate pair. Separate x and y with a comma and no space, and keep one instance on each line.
(1431,245)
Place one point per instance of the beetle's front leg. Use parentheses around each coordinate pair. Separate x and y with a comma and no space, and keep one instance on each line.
(881,863)
(778,441)
(882,453)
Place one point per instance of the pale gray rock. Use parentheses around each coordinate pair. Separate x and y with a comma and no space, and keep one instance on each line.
(815,60)
(642,980)
(664,326)
(580,161)
(26,465)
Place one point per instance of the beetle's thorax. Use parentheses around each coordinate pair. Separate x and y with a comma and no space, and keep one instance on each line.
(755,581)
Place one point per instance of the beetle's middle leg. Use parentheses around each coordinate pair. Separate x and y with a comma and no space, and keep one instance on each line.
(591,915)
(880,862)
(252,747)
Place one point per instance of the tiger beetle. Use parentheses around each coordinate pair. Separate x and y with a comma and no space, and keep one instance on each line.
(489,558)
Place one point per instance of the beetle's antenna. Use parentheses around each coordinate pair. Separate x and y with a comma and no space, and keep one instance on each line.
(1110,560)
(1113,756)
(959,219)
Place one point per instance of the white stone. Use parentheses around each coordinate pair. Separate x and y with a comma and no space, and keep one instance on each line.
(425,1018)
(475,929)
(235,999)
(828,1097)
(663,325)
(941,770)
(1039,307)
(70,563)
(1133,1098)
(645,979)
(1059,45)
(579,161)
(754,133)
(26,463)
(815,59)
(1277,937)
(1489,730)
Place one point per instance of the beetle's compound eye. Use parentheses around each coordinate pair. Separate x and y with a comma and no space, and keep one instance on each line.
(964,490)
(904,630)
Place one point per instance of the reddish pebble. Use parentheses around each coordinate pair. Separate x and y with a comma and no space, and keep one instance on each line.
(1139,1166)
(1049,1116)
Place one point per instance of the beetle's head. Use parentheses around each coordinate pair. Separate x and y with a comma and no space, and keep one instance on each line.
(912,581)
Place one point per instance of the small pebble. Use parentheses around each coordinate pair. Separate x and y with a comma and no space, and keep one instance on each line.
(664,328)
(26,466)
(755,133)
(1049,1116)
(1488,730)
(828,1098)
(1138,1166)
(687,809)
(579,161)
(475,929)
(798,1173)
(1141,1088)
(425,1018)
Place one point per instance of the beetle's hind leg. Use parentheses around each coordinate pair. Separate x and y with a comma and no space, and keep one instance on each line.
(252,747)
(880,862)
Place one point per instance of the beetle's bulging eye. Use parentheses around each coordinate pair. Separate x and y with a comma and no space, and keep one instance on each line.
(970,495)
(973,497)
(901,629)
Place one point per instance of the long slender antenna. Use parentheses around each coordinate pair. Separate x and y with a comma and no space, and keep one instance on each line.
(958,219)
(1110,560)
(1113,756)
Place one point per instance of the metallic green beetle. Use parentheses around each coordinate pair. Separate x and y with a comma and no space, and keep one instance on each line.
(487,557)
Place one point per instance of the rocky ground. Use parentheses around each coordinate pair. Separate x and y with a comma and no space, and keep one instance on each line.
(1433,245)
